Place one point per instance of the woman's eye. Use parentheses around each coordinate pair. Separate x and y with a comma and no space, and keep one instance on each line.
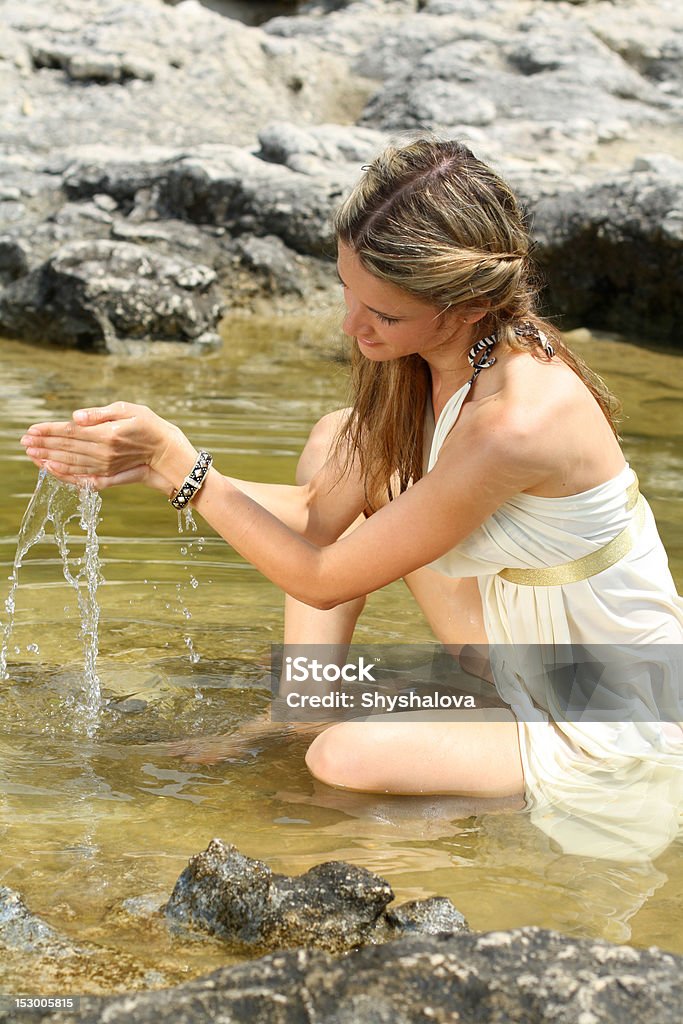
(386,319)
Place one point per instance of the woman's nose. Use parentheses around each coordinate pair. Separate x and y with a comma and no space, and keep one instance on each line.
(355,322)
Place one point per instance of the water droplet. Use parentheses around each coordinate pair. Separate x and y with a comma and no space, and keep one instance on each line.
(33,648)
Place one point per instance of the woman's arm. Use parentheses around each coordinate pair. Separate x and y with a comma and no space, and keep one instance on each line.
(125,443)
(476,472)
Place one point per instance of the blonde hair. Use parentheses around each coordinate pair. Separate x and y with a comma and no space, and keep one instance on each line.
(440,224)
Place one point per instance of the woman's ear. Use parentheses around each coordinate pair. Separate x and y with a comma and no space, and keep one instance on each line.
(472,314)
(468,312)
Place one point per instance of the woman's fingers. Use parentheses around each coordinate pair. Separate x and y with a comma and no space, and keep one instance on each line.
(98,448)
(88,418)
(41,445)
(110,441)
(104,413)
(59,429)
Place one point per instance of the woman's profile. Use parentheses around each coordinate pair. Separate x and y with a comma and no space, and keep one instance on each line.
(480,462)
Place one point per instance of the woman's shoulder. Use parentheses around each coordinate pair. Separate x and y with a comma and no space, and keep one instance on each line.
(539,415)
(530,393)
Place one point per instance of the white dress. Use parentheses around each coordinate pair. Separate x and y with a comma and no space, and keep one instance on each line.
(603,788)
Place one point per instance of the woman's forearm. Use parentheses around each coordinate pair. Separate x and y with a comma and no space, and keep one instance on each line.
(286,501)
(288,559)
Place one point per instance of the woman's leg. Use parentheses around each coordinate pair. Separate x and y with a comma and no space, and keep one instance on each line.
(407,754)
(303,624)
(415,754)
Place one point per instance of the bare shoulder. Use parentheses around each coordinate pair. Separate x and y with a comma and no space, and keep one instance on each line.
(534,393)
(539,415)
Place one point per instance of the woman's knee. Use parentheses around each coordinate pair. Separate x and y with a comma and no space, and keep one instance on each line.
(333,758)
(320,442)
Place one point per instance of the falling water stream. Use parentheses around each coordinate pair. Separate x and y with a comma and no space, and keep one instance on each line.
(60,504)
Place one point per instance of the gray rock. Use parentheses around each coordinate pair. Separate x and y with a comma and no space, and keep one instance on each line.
(524,69)
(24,931)
(648,36)
(612,253)
(276,266)
(101,295)
(327,144)
(14,259)
(147,73)
(220,186)
(427,103)
(245,195)
(115,121)
(334,906)
(428,917)
(529,976)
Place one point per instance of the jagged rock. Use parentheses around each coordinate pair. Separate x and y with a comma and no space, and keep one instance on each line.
(271,260)
(102,295)
(13,259)
(334,906)
(648,36)
(222,186)
(193,135)
(584,238)
(307,150)
(529,976)
(160,75)
(525,69)
(427,917)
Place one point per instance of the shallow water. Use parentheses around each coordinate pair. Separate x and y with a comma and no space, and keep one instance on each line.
(90,823)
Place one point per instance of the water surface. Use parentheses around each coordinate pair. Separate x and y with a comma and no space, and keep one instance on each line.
(88,823)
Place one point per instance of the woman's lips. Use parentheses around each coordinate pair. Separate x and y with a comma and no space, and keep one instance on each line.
(366,341)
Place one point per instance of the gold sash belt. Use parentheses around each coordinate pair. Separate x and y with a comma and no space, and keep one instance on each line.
(593,563)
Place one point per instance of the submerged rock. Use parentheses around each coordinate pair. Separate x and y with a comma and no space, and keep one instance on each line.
(529,976)
(334,906)
(21,930)
(34,955)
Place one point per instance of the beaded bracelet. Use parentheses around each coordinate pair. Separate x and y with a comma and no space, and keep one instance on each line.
(192,482)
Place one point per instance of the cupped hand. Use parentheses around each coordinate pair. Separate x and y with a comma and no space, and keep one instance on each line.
(116,444)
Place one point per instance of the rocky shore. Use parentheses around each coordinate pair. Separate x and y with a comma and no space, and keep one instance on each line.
(163,164)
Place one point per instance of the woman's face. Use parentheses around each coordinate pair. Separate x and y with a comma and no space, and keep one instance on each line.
(387,322)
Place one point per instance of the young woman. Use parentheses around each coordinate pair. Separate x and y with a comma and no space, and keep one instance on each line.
(480,462)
